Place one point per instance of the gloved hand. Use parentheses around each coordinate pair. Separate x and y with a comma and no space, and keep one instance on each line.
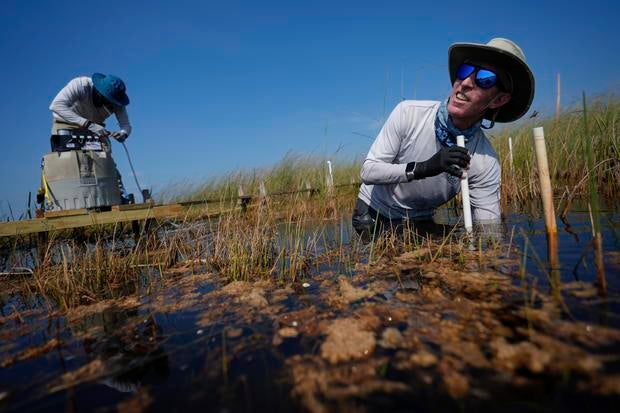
(120,136)
(98,130)
(448,159)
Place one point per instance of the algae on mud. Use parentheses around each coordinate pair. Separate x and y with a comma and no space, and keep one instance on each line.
(439,326)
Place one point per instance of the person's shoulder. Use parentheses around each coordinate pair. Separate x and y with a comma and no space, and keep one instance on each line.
(419,104)
(81,81)
(485,148)
(417,107)
(85,79)
(414,111)
(484,167)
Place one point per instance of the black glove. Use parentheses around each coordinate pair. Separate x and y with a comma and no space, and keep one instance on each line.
(448,159)
(120,136)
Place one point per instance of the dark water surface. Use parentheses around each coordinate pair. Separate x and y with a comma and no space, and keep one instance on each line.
(576,257)
(195,345)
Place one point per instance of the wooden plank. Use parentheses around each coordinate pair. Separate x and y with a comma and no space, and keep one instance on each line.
(47,224)
(84,211)
(58,220)
(129,207)
(65,213)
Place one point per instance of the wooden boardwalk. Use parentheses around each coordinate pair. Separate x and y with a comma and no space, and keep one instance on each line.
(59,220)
(77,218)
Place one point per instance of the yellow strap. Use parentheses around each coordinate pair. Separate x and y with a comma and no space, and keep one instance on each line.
(46,189)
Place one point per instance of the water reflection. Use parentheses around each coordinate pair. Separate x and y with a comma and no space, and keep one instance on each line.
(129,351)
(574,246)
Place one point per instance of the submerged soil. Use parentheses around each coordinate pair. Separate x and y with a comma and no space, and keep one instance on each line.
(409,332)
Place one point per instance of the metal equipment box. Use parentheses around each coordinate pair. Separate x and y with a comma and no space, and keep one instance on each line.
(81,179)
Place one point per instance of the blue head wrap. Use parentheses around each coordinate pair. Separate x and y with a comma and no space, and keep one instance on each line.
(446,132)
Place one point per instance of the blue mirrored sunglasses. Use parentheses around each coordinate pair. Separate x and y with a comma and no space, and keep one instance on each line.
(485,79)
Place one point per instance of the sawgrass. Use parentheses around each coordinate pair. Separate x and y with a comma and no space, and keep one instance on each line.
(566,142)
(104,265)
(274,239)
(283,240)
(72,274)
(293,173)
(288,236)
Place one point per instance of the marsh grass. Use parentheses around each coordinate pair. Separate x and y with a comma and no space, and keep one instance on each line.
(594,206)
(292,174)
(73,274)
(283,240)
(294,231)
(102,266)
(567,142)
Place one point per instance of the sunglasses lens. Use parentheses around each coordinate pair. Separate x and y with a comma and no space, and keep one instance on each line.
(486,79)
(464,71)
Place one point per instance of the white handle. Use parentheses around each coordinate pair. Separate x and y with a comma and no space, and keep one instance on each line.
(460,141)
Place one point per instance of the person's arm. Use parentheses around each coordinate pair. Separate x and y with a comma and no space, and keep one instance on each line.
(378,167)
(484,191)
(63,103)
(123,122)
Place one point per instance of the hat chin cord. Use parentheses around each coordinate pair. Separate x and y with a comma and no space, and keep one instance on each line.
(493,116)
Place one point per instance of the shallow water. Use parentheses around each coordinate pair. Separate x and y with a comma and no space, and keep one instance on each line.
(576,257)
(399,335)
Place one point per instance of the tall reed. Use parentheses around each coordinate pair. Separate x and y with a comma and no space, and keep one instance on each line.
(594,204)
(566,146)
(292,173)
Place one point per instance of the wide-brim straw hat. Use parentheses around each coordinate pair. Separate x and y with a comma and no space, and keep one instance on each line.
(507,56)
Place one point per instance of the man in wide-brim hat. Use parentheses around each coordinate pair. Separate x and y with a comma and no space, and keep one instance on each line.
(86,102)
(414,165)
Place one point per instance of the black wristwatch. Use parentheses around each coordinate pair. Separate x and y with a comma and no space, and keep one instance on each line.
(410,171)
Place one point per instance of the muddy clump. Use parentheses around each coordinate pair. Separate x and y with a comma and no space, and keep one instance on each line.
(347,339)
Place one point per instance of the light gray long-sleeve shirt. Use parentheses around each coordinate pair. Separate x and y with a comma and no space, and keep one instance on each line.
(74,104)
(408,135)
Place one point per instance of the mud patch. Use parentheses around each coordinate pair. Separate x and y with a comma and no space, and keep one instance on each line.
(411,331)
(348,339)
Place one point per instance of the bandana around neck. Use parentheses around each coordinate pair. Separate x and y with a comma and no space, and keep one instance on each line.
(446,132)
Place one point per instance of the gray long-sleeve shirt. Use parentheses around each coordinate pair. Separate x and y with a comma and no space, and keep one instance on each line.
(409,136)
(74,104)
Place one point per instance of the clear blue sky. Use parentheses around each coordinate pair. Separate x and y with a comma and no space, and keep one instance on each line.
(218,86)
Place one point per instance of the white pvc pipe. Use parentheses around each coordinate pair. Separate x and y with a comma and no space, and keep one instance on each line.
(512,163)
(330,177)
(545,179)
(460,141)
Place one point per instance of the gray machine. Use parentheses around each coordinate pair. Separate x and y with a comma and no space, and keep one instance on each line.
(79,173)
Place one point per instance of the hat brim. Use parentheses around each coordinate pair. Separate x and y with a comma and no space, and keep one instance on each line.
(522,77)
(98,82)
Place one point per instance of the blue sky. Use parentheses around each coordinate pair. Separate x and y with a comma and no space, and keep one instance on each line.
(221,86)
